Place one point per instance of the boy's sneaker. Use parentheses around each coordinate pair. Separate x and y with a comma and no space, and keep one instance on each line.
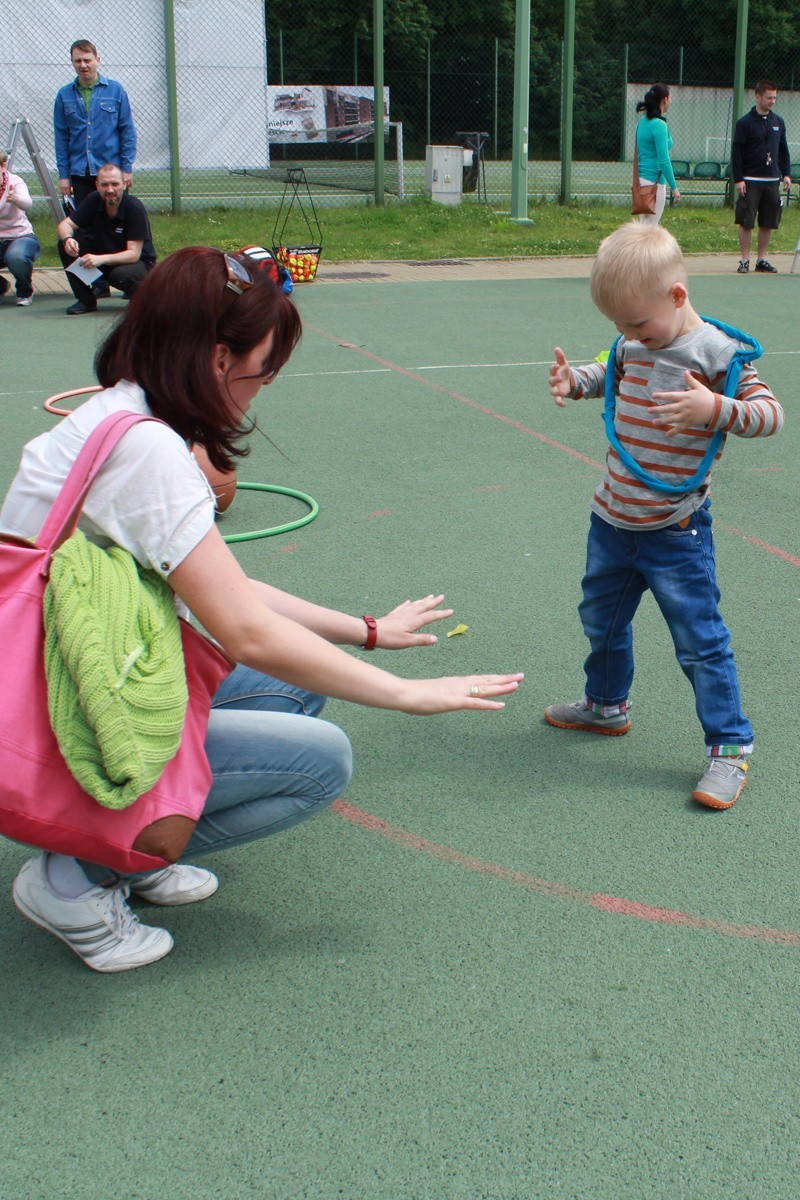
(24,301)
(722,783)
(178,884)
(763,265)
(578,716)
(99,926)
(744,266)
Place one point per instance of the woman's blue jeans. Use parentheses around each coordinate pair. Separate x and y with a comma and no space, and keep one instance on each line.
(677,564)
(18,255)
(273,760)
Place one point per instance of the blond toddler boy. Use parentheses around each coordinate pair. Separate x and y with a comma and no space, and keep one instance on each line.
(667,416)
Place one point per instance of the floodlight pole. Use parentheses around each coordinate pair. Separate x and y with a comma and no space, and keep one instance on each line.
(377,107)
(567,100)
(522,104)
(172,106)
(738,74)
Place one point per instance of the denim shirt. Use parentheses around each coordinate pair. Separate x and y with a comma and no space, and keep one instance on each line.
(104,133)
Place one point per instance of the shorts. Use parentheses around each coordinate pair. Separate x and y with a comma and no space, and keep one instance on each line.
(763,200)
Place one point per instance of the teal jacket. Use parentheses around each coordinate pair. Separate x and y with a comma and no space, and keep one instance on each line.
(654,142)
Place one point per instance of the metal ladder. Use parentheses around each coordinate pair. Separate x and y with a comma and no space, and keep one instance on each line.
(21,128)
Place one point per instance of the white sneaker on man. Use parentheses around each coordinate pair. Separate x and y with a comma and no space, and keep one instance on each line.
(176,884)
(99,926)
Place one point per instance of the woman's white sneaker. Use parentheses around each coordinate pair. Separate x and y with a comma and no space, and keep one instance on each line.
(177,884)
(99,926)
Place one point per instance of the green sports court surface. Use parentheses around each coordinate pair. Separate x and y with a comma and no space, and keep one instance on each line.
(513,963)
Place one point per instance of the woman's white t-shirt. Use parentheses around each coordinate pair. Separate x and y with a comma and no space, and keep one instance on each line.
(150,497)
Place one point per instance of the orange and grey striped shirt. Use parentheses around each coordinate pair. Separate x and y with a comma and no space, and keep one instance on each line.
(622,499)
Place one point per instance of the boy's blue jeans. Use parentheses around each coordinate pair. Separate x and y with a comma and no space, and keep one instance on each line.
(677,565)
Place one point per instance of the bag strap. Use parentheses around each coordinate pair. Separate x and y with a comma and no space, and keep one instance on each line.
(746,353)
(66,509)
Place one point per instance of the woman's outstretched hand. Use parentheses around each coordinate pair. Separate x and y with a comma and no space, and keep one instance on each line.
(398,629)
(424,697)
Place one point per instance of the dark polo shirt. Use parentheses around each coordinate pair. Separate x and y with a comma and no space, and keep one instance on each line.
(110,235)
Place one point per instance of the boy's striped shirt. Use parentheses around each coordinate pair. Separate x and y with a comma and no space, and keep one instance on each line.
(622,499)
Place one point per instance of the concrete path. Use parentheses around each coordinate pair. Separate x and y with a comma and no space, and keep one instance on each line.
(465,269)
(51,280)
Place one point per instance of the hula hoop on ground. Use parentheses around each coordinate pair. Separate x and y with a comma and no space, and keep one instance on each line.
(254,534)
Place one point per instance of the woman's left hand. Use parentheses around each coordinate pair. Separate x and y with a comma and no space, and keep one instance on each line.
(398,629)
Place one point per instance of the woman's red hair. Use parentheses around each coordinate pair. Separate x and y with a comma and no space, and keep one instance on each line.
(166,343)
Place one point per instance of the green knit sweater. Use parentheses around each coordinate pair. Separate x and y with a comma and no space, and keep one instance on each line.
(115,671)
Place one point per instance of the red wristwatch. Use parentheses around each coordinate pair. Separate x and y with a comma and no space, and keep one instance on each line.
(372,632)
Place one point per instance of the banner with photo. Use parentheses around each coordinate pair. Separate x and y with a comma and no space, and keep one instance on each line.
(318,113)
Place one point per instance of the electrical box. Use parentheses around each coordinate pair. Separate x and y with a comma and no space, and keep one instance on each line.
(444,170)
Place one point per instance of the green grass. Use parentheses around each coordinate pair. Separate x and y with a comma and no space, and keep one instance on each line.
(424,230)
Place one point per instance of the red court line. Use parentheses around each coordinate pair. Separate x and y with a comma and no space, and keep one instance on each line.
(617,905)
(490,412)
(754,541)
(435,387)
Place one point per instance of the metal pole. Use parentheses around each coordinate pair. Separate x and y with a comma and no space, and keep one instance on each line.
(522,87)
(624,139)
(496,90)
(281,74)
(355,75)
(567,100)
(738,74)
(680,65)
(172,106)
(377,79)
(428,96)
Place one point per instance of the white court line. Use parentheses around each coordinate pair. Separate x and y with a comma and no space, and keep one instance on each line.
(457,367)
(434,367)
(429,367)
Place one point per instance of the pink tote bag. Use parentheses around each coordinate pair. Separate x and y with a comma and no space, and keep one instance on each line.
(41,804)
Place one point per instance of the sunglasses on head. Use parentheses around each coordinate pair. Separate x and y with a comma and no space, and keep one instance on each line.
(238,282)
(239,279)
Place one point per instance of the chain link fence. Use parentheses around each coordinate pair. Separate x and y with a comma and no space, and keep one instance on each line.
(213,90)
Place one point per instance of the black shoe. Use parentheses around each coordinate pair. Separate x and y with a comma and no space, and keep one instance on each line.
(4,286)
(744,266)
(101,290)
(79,308)
(763,265)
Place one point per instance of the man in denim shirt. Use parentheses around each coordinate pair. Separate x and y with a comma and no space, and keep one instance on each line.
(93,125)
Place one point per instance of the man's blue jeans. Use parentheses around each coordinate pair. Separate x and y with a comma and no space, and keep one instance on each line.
(18,256)
(274,763)
(677,565)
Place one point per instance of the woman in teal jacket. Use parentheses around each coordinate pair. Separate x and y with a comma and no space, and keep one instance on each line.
(654,142)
